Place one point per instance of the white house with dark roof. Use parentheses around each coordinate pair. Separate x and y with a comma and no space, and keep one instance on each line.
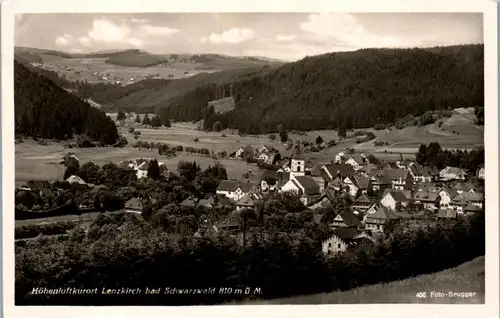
(446,194)
(346,220)
(344,238)
(392,198)
(429,200)
(356,161)
(339,157)
(399,179)
(362,204)
(304,186)
(460,202)
(233,189)
(352,183)
(380,220)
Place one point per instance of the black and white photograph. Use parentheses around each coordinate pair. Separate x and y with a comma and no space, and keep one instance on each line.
(249,158)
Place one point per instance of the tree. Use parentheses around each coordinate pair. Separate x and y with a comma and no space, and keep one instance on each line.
(188,170)
(155,122)
(138,119)
(283,133)
(319,140)
(165,121)
(91,173)
(154,170)
(146,121)
(72,168)
(272,137)
(121,115)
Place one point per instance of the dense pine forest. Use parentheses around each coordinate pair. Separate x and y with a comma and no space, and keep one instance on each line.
(348,89)
(44,109)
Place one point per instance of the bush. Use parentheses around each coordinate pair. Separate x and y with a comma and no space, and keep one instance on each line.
(33,230)
(196,139)
(131,130)
(137,133)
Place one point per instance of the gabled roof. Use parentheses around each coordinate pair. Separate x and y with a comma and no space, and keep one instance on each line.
(472,208)
(206,202)
(363,198)
(283,178)
(228,185)
(426,196)
(75,179)
(363,183)
(453,171)
(307,183)
(395,174)
(467,186)
(381,216)
(134,203)
(350,219)
(397,195)
(451,192)
(337,181)
(343,169)
(246,201)
(346,234)
(190,202)
(466,197)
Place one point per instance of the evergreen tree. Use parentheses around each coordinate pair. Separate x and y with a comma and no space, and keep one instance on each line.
(146,121)
(121,115)
(154,170)
(283,133)
(138,119)
(319,140)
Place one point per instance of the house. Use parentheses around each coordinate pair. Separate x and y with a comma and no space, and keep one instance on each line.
(142,170)
(263,149)
(343,239)
(75,180)
(346,220)
(239,153)
(264,157)
(320,176)
(233,189)
(480,173)
(362,204)
(338,170)
(465,187)
(303,186)
(399,179)
(190,202)
(394,198)
(470,208)
(133,205)
(364,184)
(452,173)
(429,200)
(337,184)
(356,161)
(339,157)
(352,183)
(461,201)
(269,181)
(381,220)
(446,194)
(326,199)
(246,202)
(420,173)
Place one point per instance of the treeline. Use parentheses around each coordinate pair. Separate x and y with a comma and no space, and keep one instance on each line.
(33,230)
(128,251)
(43,109)
(433,155)
(346,90)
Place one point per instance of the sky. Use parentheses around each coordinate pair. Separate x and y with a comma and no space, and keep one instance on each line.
(284,36)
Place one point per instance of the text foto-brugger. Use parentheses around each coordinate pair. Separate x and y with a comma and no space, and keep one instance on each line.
(147,291)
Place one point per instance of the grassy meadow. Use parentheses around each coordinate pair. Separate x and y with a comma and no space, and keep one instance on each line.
(36,162)
(465,278)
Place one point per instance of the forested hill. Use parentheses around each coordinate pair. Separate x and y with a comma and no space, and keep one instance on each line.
(43,109)
(352,89)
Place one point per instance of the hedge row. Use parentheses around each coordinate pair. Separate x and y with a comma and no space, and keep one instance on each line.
(33,230)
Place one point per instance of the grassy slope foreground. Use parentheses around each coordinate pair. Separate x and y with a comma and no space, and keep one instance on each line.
(350,89)
(43,109)
(468,277)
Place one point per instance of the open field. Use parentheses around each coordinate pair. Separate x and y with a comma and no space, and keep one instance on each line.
(465,278)
(36,162)
(467,135)
(82,69)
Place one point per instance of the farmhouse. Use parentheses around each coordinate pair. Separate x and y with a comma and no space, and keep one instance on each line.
(420,173)
(303,186)
(346,220)
(446,194)
(362,204)
(394,198)
(380,220)
(429,200)
(399,179)
(233,189)
(356,161)
(344,239)
(452,173)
